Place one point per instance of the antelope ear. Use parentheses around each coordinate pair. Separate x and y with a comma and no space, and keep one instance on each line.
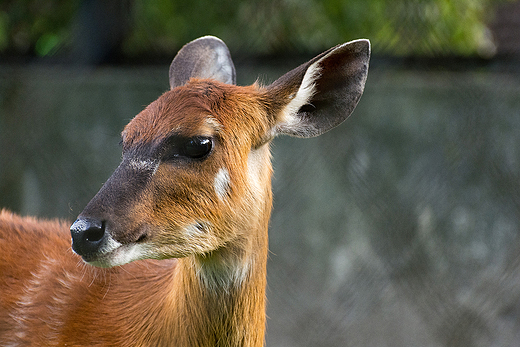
(320,94)
(205,57)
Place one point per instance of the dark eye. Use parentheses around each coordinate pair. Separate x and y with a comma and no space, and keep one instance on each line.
(197,147)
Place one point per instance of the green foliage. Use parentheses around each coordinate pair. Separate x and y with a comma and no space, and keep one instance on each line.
(262,26)
(396,27)
(35,26)
(428,27)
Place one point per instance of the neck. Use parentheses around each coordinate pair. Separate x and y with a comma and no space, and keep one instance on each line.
(221,299)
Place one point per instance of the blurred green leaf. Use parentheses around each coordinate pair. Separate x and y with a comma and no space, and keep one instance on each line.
(47,44)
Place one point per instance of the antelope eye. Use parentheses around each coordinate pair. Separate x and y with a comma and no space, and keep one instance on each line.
(197,147)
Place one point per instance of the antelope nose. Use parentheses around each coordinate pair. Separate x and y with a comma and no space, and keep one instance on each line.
(88,235)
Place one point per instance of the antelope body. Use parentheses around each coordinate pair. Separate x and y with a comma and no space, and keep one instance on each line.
(190,200)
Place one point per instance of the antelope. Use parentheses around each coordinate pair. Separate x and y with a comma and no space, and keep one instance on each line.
(172,250)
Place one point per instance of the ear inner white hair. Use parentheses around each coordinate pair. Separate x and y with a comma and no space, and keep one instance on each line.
(302,97)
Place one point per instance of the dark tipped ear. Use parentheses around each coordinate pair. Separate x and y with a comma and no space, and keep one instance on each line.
(322,93)
(205,57)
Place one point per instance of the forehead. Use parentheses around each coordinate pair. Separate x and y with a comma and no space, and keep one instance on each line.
(188,111)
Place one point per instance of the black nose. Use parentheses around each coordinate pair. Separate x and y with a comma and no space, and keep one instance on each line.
(88,235)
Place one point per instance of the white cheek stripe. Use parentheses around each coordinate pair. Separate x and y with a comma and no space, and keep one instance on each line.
(221,183)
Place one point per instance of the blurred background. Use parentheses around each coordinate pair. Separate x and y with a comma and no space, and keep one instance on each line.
(398,228)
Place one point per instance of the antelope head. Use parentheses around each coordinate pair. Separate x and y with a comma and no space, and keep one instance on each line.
(195,177)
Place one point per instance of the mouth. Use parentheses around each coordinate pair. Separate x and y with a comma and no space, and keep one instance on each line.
(114,253)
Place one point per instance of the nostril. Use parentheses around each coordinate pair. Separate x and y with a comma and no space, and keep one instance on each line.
(95,232)
(87,235)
